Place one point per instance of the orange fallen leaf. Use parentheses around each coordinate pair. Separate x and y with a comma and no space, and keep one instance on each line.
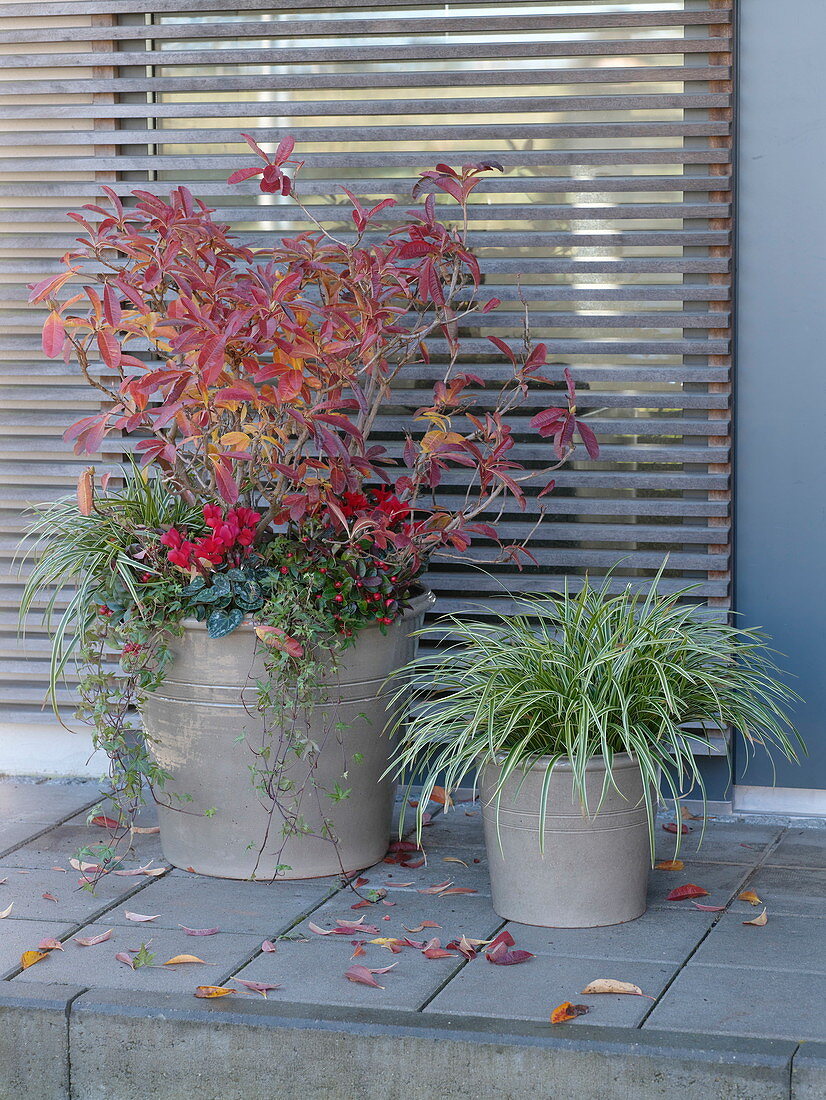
(176,960)
(29,958)
(687,815)
(611,985)
(440,796)
(671,827)
(49,897)
(421,927)
(669,865)
(750,897)
(759,920)
(213,991)
(359,951)
(566,1011)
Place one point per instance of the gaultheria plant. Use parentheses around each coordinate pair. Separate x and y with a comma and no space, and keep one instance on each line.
(254,378)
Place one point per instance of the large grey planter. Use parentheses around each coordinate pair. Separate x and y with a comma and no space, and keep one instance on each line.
(594,869)
(208,700)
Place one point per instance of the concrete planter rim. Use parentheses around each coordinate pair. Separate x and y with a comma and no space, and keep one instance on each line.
(596,763)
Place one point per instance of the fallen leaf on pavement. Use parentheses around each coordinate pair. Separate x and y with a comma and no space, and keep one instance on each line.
(438,888)
(759,920)
(497,951)
(457,890)
(433,950)
(687,815)
(610,985)
(361,882)
(257,987)
(29,958)
(6,912)
(421,927)
(566,1011)
(140,917)
(148,870)
(364,974)
(671,827)
(213,991)
(681,893)
(49,897)
(708,908)
(199,931)
(750,897)
(92,940)
(127,959)
(176,960)
(268,946)
(454,859)
(441,796)
(63,869)
(50,945)
(669,865)
(359,950)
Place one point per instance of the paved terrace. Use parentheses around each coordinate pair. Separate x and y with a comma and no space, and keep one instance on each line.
(733,1012)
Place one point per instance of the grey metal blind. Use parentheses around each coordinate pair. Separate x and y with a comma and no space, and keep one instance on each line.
(613,121)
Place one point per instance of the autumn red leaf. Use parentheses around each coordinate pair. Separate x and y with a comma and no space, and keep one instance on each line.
(681,893)
(268,947)
(364,975)
(566,1011)
(54,334)
(50,945)
(49,897)
(498,952)
(708,908)
(671,827)
(104,822)
(257,987)
(91,941)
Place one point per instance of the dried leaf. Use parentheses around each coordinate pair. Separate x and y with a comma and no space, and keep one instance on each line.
(708,908)
(146,830)
(433,950)
(199,931)
(610,985)
(454,859)
(257,987)
(750,897)
(48,897)
(361,974)
(207,991)
(6,912)
(63,869)
(140,917)
(687,815)
(441,796)
(176,960)
(92,940)
(29,958)
(421,927)
(498,953)
(50,945)
(671,827)
(681,893)
(669,865)
(437,889)
(268,946)
(566,1011)
(105,822)
(759,920)
(359,950)
(127,959)
(457,890)
(361,882)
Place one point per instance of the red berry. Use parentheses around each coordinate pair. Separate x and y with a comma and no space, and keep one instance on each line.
(284,569)
(339,599)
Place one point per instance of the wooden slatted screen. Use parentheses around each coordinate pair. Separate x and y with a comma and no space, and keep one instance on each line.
(613,121)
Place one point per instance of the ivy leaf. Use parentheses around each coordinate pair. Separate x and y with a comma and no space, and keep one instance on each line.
(221,623)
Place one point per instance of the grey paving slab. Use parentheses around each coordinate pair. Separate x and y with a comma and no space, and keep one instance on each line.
(792,891)
(531,990)
(44,801)
(313,973)
(733,842)
(26,889)
(747,1001)
(800,848)
(809,1072)
(785,943)
(252,1049)
(17,936)
(34,1041)
(258,908)
(722,880)
(62,843)
(656,936)
(97,966)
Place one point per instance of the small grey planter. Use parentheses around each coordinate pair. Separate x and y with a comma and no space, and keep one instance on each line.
(208,699)
(594,868)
